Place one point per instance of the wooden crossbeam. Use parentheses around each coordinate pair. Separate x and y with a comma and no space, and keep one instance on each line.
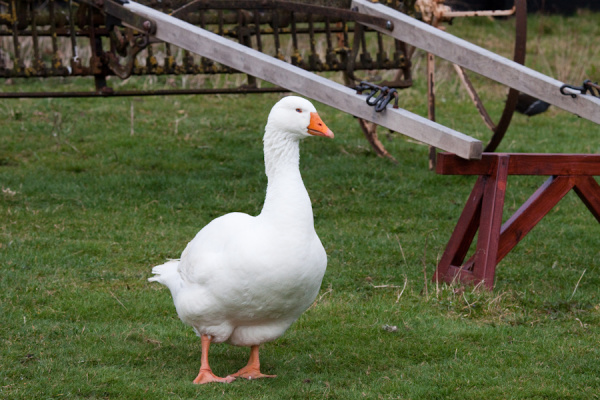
(270,69)
(523,164)
(480,60)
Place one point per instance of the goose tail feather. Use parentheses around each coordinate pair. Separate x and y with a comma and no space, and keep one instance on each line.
(168,275)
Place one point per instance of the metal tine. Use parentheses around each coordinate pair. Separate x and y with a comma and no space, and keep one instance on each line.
(188,63)
(151,63)
(314,60)
(296,58)
(345,34)
(382,59)
(349,57)
(170,64)
(245,39)
(276,35)
(56,66)
(169,60)
(37,66)
(95,66)
(365,57)
(404,62)
(18,63)
(75,61)
(311,33)
(221,68)
(220,16)
(94,59)
(257,30)
(241,23)
(399,52)
(330,58)
(2,64)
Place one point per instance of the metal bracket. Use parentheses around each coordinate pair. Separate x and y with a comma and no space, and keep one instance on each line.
(128,18)
(382,100)
(588,86)
(131,45)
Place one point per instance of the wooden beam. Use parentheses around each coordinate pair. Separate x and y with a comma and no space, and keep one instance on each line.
(522,164)
(588,191)
(480,60)
(531,212)
(255,63)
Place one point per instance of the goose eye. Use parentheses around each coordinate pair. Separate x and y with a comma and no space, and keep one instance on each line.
(298,110)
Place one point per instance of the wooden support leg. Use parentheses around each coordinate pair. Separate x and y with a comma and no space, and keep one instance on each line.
(462,237)
(484,266)
(483,211)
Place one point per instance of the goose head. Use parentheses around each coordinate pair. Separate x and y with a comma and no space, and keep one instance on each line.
(296,118)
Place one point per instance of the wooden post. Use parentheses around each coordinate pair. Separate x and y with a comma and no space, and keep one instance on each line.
(492,204)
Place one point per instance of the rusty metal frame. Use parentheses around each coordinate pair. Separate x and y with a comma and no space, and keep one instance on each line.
(350,15)
(129,35)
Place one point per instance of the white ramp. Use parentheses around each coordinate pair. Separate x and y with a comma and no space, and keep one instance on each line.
(479,60)
(255,63)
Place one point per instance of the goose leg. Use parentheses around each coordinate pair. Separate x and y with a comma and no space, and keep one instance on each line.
(206,375)
(252,370)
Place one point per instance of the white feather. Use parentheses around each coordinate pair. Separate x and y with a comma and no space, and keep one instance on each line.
(246,279)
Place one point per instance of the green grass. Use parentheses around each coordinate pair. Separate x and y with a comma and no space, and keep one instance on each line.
(87,209)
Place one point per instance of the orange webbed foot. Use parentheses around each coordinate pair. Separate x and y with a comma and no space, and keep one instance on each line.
(252,369)
(206,376)
(250,372)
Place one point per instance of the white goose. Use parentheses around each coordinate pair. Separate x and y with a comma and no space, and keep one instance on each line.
(244,280)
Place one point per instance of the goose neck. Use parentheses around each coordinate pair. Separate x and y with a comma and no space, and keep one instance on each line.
(286,195)
(282,154)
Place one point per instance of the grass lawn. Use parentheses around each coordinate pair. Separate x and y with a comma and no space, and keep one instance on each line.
(92,199)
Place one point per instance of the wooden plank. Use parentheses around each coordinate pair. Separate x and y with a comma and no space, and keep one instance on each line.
(531,212)
(255,63)
(522,164)
(555,164)
(448,164)
(588,191)
(480,60)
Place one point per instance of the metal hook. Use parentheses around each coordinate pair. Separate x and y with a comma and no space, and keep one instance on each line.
(565,86)
(377,99)
(389,93)
(384,95)
(588,86)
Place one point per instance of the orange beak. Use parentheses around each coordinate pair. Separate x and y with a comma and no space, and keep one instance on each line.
(317,127)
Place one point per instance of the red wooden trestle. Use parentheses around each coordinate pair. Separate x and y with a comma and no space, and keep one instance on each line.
(483,211)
